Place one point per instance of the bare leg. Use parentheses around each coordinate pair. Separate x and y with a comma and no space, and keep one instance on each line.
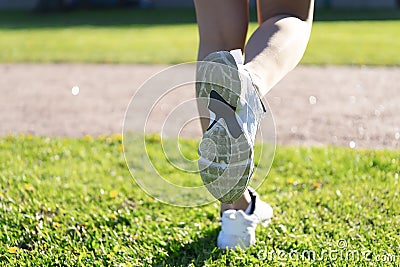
(278,44)
(222,25)
(274,49)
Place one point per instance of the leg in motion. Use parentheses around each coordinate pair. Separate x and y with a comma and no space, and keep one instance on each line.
(278,44)
(274,49)
(223,26)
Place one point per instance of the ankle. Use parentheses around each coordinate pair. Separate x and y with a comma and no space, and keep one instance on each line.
(241,204)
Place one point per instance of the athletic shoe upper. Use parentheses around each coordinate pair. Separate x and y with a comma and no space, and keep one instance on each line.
(238,227)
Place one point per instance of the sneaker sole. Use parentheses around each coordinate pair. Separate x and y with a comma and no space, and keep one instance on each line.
(225,154)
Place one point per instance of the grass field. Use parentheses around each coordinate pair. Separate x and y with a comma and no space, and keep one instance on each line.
(71,202)
(152,36)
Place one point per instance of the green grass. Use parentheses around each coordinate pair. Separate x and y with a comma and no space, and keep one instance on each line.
(158,36)
(71,202)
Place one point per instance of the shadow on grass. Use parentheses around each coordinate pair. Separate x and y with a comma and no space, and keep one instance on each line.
(129,17)
(197,252)
(96,18)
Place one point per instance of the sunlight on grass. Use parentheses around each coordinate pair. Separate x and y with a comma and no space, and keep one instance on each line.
(72,202)
(354,43)
(338,43)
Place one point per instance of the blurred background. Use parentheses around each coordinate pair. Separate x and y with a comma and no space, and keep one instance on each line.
(345,91)
(68,70)
(56,5)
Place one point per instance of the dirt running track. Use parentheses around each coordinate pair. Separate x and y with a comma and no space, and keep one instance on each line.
(311,106)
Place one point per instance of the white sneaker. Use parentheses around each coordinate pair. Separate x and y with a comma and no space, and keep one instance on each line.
(226,151)
(238,228)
